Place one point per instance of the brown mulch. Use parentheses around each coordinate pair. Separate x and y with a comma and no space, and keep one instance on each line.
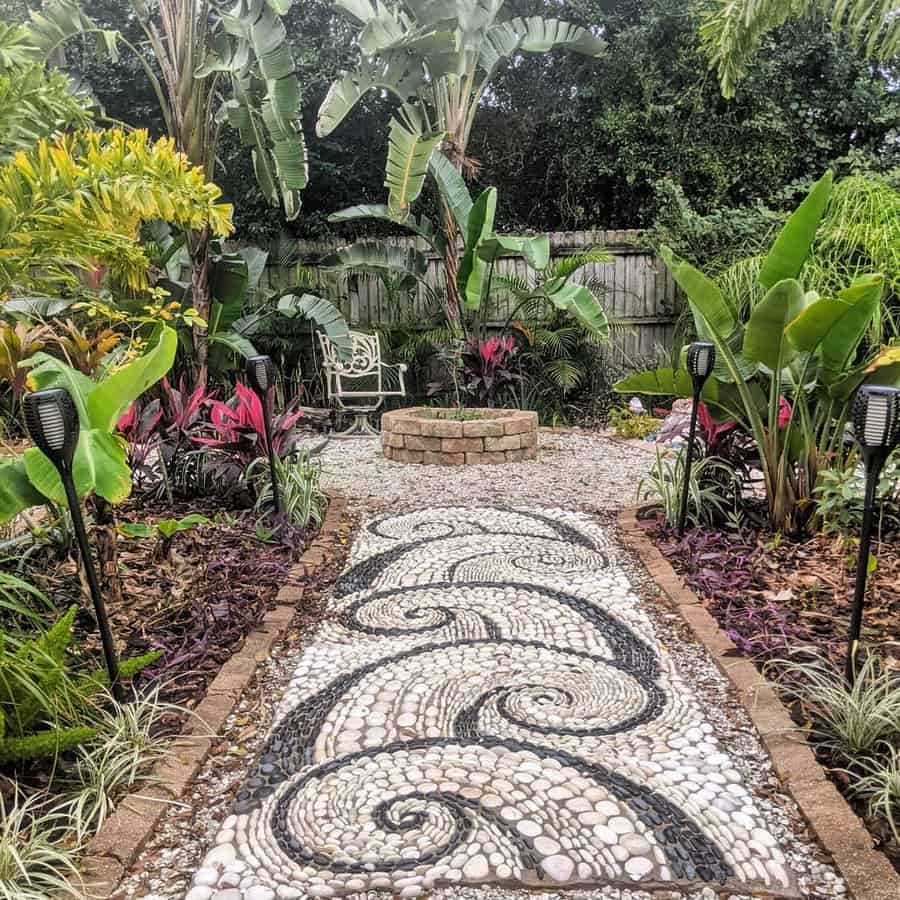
(771,594)
(197,605)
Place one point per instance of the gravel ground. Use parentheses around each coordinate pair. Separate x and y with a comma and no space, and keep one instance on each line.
(587,472)
(576,470)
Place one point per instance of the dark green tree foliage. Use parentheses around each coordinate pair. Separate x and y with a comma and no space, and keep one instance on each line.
(576,143)
(602,136)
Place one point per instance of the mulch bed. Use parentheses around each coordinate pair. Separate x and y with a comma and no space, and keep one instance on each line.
(774,595)
(197,605)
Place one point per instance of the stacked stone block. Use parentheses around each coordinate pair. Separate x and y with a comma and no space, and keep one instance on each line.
(421,435)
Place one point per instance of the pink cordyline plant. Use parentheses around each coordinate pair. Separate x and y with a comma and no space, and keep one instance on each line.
(239,427)
(486,366)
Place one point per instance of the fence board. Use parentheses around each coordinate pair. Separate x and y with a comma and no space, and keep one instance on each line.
(640,292)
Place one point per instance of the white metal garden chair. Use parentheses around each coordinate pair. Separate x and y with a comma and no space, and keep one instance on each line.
(359,385)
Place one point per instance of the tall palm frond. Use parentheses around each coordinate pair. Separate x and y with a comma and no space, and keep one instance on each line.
(569,265)
(733,30)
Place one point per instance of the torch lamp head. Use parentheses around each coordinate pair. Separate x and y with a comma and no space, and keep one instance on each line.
(701,357)
(260,374)
(52,421)
(876,418)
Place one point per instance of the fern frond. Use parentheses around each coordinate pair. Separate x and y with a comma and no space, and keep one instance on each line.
(513,284)
(565,373)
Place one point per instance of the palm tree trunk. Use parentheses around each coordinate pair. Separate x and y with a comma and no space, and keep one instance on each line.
(451,299)
(198,247)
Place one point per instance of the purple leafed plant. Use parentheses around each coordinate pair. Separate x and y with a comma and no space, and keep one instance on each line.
(722,570)
(487,368)
(238,428)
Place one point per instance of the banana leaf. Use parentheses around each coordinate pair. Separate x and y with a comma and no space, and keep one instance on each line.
(834,328)
(324,315)
(473,269)
(535,250)
(713,312)
(16,491)
(791,248)
(765,337)
(453,189)
(407,165)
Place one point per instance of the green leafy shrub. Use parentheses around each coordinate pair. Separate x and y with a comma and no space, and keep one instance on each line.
(841,498)
(627,424)
(164,530)
(42,704)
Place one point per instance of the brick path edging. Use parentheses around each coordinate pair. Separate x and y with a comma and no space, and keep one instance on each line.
(117,845)
(868,873)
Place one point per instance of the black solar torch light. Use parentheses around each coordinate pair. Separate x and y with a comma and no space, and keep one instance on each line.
(701,357)
(52,421)
(261,377)
(876,421)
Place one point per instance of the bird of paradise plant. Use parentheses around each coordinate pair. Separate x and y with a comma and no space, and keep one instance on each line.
(794,347)
(438,60)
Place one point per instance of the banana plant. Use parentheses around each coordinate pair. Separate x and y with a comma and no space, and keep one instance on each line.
(100,465)
(236,311)
(786,373)
(208,64)
(438,60)
(482,247)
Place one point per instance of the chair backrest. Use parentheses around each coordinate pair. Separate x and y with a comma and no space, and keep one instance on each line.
(365,359)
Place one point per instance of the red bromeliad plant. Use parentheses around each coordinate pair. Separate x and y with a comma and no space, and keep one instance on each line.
(486,365)
(239,428)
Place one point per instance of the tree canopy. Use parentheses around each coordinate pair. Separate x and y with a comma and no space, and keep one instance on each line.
(572,142)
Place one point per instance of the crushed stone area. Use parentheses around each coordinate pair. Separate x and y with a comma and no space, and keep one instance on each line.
(574,470)
(586,472)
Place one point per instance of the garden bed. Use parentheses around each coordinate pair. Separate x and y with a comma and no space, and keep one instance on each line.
(449,437)
(773,597)
(197,604)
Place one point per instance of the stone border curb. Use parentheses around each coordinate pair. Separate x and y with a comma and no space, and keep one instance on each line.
(868,873)
(419,434)
(113,850)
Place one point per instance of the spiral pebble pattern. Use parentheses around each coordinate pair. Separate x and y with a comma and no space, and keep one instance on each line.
(488,703)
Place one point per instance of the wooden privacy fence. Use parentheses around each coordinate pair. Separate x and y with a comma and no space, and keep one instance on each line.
(640,294)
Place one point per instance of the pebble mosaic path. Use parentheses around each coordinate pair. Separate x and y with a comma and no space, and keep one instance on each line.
(488,705)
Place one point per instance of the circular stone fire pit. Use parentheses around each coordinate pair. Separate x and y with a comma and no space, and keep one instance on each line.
(438,437)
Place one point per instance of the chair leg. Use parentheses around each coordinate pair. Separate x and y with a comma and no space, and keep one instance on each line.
(361,427)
